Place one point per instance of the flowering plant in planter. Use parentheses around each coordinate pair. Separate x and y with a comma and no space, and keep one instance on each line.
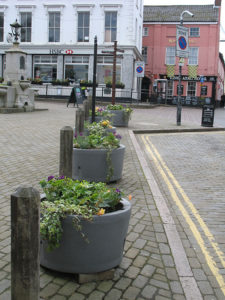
(121,114)
(64,197)
(101,112)
(99,138)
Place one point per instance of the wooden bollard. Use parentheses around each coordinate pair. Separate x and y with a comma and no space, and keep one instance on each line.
(66,151)
(25,244)
(79,122)
(86,110)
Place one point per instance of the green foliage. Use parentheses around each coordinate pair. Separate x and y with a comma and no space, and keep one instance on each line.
(65,196)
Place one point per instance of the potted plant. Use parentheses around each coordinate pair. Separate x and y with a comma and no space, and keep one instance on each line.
(121,114)
(119,85)
(83,226)
(98,155)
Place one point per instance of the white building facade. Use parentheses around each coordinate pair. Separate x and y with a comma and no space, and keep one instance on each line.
(58,37)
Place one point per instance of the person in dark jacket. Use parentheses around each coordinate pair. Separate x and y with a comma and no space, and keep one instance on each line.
(72,97)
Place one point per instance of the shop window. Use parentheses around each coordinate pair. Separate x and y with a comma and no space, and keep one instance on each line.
(105,69)
(193,56)
(169,89)
(45,67)
(76,67)
(26,23)
(191,91)
(170,56)
(110,26)
(83,26)
(54,27)
(145,54)
(194,32)
(1,27)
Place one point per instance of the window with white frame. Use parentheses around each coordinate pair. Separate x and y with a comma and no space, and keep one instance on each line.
(145,54)
(193,56)
(170,56)
(194,32)
(105,69)
(170,89)
(110,26)
(76,67)
(54,27)
(191,90)
(1,27)
(145,31)
(26,23)
(83,26)
(45,67)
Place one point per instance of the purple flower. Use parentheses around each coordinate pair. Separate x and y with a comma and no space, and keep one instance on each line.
(50,177)
(81,133)
(118,191)
(118,136)
(75,135)
(61,177)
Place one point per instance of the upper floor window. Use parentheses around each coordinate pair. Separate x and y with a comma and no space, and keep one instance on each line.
(83,26)
(145,54)
(170,56)
(194,31)
(54,27)
(1,27)
(193,56)
(26,23)
(110,26)
(145,31)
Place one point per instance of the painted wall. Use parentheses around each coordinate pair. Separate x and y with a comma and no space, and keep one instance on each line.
(161,36)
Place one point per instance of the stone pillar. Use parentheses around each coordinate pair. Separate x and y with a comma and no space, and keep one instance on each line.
(25,244)
(66,151)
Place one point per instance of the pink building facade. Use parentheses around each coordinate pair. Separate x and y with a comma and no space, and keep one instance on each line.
(202,72)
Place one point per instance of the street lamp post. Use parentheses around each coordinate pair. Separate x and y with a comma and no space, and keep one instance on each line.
(15,27)
(179,103)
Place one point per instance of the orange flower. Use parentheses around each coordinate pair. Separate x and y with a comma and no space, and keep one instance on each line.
(130,197)
(101,212)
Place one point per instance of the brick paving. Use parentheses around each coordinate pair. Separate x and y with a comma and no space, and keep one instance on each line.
(29,151)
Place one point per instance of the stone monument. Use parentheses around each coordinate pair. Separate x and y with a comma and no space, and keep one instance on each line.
(16,94)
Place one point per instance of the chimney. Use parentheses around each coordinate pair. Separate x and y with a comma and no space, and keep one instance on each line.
(217,2)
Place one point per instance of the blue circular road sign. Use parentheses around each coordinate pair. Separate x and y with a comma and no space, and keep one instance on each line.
(182,42)
(139,69)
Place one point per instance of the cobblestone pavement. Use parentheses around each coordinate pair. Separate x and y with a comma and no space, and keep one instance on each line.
(29,151)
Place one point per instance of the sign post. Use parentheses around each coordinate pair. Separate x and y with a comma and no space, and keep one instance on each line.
(181,52)
(139,68)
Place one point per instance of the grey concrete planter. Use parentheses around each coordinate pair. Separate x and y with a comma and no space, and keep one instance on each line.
(91,164)
(106,235)
(119,118)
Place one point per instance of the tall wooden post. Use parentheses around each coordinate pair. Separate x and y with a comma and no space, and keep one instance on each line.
(66,151)
(25,244)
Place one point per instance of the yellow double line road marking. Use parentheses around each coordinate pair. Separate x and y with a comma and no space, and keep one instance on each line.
(171,181)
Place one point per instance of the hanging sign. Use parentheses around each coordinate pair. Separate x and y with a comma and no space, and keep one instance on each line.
(182,41)
(139,68)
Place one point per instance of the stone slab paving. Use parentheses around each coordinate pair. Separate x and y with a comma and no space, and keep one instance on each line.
(29,151)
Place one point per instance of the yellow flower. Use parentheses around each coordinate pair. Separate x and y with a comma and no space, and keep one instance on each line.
(130,197)
(101,212)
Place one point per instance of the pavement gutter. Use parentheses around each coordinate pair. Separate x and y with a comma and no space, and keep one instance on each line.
(184,271)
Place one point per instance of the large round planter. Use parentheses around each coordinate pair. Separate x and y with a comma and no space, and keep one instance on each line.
(106,235)
(91,164)
(119,118)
